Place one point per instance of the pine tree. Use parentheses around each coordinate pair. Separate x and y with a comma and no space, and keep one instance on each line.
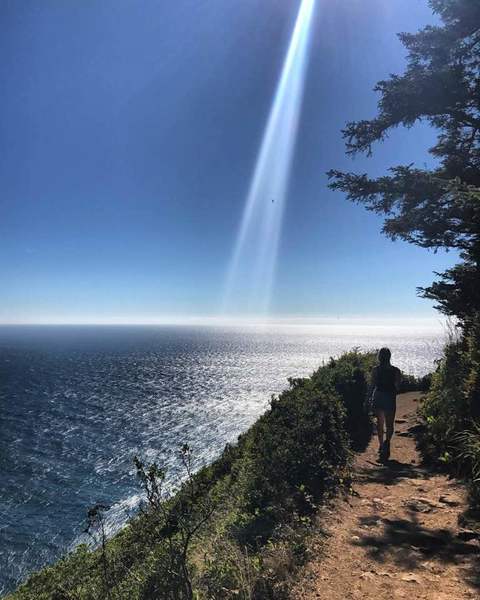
(437,208)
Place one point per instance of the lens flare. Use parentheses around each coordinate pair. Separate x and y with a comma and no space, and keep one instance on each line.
(252,266)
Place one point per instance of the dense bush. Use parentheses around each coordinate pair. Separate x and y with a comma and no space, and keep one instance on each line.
(237,528)
(468,452)
(451,409)
(410,383)
(350,376)
(445,408)
(292,456)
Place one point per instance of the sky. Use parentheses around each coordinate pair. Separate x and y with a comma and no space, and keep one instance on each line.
(129,134)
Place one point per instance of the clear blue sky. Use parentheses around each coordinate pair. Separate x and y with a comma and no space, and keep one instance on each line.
(129,131)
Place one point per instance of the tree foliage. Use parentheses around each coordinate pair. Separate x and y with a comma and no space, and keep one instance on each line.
(437,208)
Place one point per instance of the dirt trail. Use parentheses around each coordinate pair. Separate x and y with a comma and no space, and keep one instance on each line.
(400,537)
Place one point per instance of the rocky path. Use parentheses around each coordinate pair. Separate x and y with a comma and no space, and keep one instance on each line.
(399,536)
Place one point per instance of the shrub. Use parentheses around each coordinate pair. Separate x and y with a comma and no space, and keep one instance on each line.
(446,407)
(410,383)
(350,376)
(468,448)
(451,409)
(294,454)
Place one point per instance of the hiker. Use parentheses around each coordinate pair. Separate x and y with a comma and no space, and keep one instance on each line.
(385,380)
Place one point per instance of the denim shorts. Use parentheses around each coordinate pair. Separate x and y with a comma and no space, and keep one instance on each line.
(386,401)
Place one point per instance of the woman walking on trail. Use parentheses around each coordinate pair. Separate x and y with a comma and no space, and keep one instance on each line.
(386,380)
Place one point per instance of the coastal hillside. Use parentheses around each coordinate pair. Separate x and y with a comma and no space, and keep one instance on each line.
(270,517)
(238,527)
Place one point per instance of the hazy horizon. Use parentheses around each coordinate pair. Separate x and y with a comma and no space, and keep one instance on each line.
(322,324)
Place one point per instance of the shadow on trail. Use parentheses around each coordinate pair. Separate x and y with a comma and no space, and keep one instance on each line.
(408,543)
(390,472)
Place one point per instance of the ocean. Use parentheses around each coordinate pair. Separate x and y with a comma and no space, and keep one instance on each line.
(78,402)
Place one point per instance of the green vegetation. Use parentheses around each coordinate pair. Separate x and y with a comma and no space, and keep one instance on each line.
(236,528)
(452,433)
(437,208)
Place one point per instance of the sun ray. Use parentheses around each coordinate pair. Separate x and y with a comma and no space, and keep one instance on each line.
(256,247)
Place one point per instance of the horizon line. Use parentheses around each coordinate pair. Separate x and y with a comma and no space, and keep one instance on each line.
(397,320)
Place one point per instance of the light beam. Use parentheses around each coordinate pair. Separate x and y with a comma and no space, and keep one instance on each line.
(252,266)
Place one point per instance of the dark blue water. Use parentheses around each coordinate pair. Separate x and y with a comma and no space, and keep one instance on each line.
(77,403)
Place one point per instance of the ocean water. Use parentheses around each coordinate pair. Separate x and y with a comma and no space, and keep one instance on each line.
(77,403)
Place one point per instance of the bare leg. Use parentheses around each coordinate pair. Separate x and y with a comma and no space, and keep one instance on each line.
(390,421)
(380,426)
